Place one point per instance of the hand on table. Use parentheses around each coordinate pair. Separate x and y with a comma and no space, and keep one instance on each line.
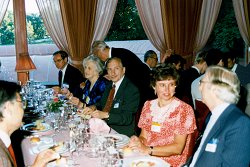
(99,114)
(44,157)
(136,144)
(74,100)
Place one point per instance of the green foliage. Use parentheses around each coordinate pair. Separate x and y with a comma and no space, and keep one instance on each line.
(38,26)
(54,105)
(126,24)
(7,31)
(36,31)
(226,34)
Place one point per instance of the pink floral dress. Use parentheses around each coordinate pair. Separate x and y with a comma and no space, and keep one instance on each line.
(175,118)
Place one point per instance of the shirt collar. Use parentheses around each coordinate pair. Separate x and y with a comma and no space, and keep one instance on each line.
(64,69)
(110,52)
(218,110)
(196,69)
(5,138)
(234,67)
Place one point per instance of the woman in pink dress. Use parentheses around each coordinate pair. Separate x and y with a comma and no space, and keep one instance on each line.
(166,123)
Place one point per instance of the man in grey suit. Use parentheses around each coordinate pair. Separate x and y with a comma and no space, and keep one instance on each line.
(121,115)
(11,115)
(225,141)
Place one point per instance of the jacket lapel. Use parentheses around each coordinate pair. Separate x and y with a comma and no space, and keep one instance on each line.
(5,149)
(216,129)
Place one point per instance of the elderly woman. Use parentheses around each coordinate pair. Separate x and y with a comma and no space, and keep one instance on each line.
(94,85)
(166,123)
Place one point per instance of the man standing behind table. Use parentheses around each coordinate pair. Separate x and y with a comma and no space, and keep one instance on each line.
(150,59)
(11,115)
(225,141)
(136,70)
(67,73)
(120,115)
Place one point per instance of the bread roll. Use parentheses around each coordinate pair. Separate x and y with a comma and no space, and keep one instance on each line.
(35,139)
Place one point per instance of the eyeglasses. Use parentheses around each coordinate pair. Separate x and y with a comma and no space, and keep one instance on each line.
(58,61)
(154,58)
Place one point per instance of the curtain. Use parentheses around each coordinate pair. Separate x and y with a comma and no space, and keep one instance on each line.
(151,18)
(242,13)
(171,24)
(209,13)
(51,14)
(104,16)
(180,22)
(3,8)
(79,21)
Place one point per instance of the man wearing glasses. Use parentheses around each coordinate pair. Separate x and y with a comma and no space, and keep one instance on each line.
(11,115)
(225,141)
(67,75)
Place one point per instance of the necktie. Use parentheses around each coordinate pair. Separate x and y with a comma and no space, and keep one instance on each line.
(60,78)
(12,154)
(110,99)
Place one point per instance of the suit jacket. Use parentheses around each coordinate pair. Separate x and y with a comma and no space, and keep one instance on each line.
(243,74)
(232,131)
(73,77)
(136,71)
(124,107)
(5,157)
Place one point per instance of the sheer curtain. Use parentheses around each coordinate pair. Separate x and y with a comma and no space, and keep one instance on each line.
(242,14)
(209,13)
(104,17)
(73,25)
(151,18)
(3,8)
(171,24)
(52,18)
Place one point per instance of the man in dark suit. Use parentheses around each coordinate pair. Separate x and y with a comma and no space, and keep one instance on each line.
(225,141)
(11,114)
(70,75)
(120,116)
(136,70)
(183,90)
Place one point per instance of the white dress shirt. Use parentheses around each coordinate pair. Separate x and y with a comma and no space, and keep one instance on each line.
(5,138)
(217,111)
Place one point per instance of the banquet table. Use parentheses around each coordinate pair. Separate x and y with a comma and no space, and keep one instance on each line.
(30,149)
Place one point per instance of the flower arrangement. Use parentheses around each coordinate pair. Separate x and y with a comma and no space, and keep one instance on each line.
(54,105)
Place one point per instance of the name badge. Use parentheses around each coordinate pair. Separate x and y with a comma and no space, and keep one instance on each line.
(116,105)
(212,145)
(87,100)
(156,127)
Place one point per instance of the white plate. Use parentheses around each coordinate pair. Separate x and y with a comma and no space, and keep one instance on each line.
(120,139)
(29,127)
(145,161)
(42,147)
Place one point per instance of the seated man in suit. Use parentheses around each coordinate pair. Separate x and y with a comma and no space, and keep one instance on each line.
(68,74)
(119,113)
(225,141)
(11,115)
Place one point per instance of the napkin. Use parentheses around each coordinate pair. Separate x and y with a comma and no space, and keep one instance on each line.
(97,125)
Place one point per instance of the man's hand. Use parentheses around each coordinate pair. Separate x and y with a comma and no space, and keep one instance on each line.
(44,157)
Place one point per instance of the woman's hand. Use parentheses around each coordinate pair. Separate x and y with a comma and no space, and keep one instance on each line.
(74,100)
(87,111)
(136,144)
